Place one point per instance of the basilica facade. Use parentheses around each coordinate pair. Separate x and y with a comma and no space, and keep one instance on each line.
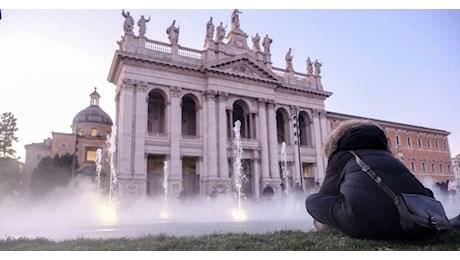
(176,110)
(179,112)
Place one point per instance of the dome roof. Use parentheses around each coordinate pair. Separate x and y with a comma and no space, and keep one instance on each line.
(94,114)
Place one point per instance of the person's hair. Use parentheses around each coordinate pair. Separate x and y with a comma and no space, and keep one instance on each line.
(331,141)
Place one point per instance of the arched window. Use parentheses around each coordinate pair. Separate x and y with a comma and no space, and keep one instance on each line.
(281,125)
(156,113)
(304,129)
(241,112)
(189,122)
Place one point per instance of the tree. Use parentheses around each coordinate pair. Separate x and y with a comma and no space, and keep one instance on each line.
(8,129)
(51,173)
(10,177)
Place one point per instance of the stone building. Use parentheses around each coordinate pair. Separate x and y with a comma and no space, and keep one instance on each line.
(177,110)
(90,128)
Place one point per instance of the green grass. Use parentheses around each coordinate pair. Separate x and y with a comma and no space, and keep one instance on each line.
(271,241)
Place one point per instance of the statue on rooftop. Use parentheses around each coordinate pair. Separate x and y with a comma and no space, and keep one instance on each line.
(289,58)
(209,31)
(173,33)
(256,43)
(317,67)
(236,19)
(309,67)
(220,33)
(129,22)
(266,43)
(142,25)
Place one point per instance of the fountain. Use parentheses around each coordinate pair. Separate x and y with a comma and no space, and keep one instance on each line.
(285,173)
(165,213)
(109,214)
(238,175)
(98,169)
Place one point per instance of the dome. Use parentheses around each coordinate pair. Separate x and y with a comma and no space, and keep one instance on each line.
(93,114)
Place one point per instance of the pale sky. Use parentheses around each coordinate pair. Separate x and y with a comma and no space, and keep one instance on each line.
(399,65)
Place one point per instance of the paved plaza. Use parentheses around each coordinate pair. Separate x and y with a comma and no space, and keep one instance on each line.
(89,219)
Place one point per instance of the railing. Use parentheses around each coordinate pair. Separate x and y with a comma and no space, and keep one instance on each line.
(191,53)
(167,48)
(158,46)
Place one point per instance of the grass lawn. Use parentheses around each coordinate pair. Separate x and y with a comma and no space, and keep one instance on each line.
(271,241)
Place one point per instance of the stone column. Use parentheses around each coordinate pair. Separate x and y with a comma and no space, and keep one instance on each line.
(222,128)
(257,184)
(273,141)
(324,132)
(140,127)
(263,139)
(204,134)
(319,172)
(123,135)
(175,164)
(212,135)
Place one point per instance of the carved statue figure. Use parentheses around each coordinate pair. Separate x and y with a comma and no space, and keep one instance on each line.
(142,25)
(236,19)
(256,43)
(209,31)
(289,58)
(129,22)
(309,67)
(220,33)
(173,33)
(317,67)
(266,43)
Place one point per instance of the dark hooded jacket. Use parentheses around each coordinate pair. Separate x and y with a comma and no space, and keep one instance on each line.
(362,209)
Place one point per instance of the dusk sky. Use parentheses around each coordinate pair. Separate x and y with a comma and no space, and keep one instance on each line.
(399,65)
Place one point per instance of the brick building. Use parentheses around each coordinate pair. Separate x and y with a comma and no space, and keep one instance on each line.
(424,151)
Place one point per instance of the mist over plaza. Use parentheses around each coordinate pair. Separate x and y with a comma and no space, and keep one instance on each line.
(396,66)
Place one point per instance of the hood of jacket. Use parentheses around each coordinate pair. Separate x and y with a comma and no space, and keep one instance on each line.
(356,134)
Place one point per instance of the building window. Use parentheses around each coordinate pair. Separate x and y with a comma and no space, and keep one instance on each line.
(419,140)
(428,143)
(63,145)
(412,165)
(90,154)
(440,167)
(397,140)
(432,167)
(423,167)
(409,141)
(448,168)
(445,145)
(436,144)
(93,132)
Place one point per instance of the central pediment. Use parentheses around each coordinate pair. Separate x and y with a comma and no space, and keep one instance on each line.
(242,66)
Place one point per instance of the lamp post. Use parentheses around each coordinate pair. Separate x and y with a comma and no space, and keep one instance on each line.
(75,149)
(297,143)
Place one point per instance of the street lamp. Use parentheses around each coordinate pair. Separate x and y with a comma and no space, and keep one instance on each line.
(75,149)
(297,143)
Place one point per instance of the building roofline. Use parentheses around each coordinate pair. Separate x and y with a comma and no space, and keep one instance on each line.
(385,123)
